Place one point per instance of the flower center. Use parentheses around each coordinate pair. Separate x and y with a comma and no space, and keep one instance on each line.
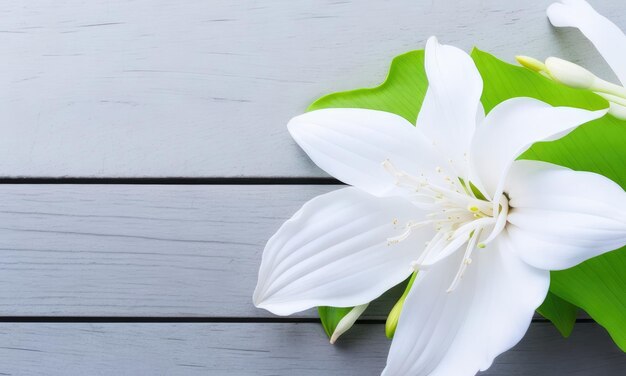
(457,215)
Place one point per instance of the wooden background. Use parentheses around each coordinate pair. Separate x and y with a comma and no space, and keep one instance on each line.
(145,161)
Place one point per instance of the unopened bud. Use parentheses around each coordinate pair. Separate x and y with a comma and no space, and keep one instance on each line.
(531,63)
(573,75)
(570,74)
(394,314)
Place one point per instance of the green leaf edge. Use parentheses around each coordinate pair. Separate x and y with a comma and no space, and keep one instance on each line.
(418,78)
(560,312)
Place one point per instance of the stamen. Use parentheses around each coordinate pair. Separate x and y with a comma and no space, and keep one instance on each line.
(409,229)
(461,199)
(456,214)
(417,264)
(466,261)
(403,179)
(459,237)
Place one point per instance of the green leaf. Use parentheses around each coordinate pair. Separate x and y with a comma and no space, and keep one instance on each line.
(330,317)
(598,146)
(402,92)
(560,312)
(598,285)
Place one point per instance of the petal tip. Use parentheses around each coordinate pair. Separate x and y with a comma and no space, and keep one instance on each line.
(260,299)
(569,13)
(432,43)
(257,300)
(553,13)
(291,124)
(432,40)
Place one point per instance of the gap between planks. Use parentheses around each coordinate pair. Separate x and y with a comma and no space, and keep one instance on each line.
(202,320)
(286,180)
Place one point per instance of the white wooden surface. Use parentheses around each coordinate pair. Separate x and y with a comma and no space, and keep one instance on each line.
(123,250)
(243,349)
(204,88)
(163,88)
(142,251)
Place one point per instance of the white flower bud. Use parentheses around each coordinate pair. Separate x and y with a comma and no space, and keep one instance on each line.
(531,63)
(394,315)
(570,74)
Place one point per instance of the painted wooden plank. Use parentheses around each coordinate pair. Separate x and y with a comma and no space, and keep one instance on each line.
(116,250)
(267,349)
(168,88)
(123,250)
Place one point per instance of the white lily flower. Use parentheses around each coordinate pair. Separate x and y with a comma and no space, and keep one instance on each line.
(608,39)
(483,253)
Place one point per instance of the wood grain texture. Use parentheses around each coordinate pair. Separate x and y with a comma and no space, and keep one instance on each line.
(204,88)
(267,349)
(147,251)
(123,250)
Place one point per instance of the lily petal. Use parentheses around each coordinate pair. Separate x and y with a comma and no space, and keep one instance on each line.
(452,102)
(510,129)
(605,35)
(351,144)
(461,332)
(561,217)
(334,252)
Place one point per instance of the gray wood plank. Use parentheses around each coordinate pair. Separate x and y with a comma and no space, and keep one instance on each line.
(146,250)
(267,349)
(205,88)
(116,250)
